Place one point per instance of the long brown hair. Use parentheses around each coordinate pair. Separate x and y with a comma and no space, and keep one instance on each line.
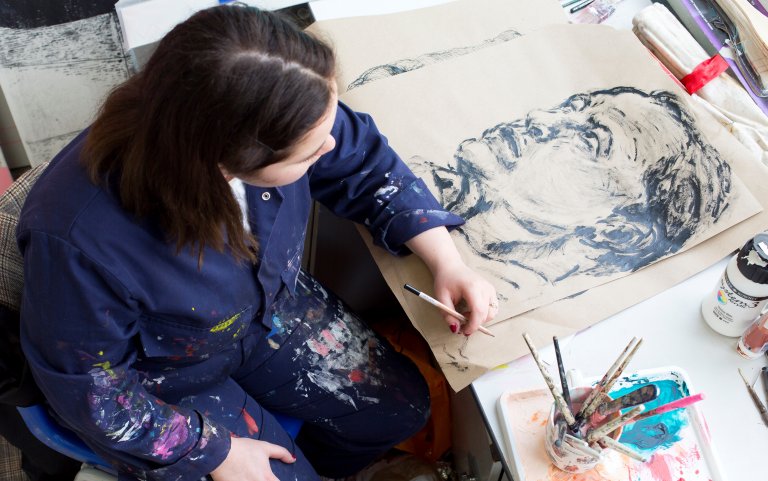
(232,86)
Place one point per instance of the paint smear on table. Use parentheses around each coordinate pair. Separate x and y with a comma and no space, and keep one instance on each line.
(675,452)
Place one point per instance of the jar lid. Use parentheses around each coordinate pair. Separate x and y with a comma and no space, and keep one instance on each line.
(760,244)
(752,259)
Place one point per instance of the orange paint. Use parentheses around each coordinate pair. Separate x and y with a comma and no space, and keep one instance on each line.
(250,422)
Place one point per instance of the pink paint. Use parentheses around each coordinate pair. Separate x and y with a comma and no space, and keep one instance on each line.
(659,467)
(174,434)
(328,336)
(356,375)
(318,347)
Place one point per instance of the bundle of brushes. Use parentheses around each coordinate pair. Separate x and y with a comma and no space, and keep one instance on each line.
(595,424)
(750,35)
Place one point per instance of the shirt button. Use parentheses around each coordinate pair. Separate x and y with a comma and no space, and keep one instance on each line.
(265,196)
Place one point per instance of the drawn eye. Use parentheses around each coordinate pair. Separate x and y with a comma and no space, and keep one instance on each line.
(592,141)
(577,103)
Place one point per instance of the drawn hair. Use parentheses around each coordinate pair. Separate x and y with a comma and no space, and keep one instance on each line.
(686,186)
(232,86)
(686,191)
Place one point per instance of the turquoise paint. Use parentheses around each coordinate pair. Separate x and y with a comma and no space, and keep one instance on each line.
(660,431)
(277,326)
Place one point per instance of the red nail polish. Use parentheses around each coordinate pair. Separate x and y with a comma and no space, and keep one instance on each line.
(454,328)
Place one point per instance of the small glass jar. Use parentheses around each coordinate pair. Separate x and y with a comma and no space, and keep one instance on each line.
(563,455)
(754,342)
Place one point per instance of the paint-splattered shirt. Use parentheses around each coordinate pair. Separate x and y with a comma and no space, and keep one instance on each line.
(118,329)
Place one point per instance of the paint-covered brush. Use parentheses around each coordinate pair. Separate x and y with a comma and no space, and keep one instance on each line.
(561,372)
(612,425)
(581,445)
(640,395)
(559,401)
(756,399)
(598,390)
(561,428)
(671,406)
(625,450)
(620,370)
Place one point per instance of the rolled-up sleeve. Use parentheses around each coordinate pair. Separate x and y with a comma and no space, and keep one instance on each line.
(78,333)
(364,180)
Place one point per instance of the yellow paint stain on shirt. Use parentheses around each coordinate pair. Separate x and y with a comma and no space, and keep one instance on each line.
(225,323)
(107,366)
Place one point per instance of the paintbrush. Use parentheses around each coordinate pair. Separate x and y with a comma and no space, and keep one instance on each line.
(670,406)
(444,308)
(598,389)
(561,372)
(756,399)
(618,447)
(764,373)
(581,445)
(640,395)
(589,410)
(561,427)
(559,401)
(612,425)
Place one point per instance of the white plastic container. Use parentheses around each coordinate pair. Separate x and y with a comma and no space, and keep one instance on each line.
(742,291)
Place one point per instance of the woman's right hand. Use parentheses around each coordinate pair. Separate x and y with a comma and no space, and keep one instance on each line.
(248,460)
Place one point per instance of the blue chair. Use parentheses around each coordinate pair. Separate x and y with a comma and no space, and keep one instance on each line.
(60,439)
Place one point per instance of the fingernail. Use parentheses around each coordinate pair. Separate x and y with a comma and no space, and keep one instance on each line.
(294,457)
(454,328)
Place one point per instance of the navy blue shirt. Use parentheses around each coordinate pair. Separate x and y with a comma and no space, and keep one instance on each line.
(118,328)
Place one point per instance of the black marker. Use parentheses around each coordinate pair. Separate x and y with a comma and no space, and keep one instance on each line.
(764,373)
(581,6)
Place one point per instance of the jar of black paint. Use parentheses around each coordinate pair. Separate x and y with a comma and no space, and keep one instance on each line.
(742,291)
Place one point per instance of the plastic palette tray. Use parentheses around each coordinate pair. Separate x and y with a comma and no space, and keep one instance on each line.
(677,443)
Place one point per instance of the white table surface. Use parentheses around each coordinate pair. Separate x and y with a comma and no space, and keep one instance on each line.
(674,334)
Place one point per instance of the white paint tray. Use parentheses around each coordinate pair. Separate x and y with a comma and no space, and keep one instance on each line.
(683,451)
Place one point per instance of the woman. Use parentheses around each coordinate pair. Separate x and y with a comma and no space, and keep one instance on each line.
(164,307)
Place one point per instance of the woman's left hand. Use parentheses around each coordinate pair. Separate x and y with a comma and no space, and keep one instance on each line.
(455,281)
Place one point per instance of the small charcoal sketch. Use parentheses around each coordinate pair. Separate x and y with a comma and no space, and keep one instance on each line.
(407,64)
(607,182)
(55,77)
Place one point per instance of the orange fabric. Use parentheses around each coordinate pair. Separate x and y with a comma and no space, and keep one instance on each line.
(435,438)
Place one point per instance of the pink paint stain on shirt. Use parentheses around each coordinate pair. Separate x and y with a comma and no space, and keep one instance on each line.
(318,347)
(173,434)
(332,342)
